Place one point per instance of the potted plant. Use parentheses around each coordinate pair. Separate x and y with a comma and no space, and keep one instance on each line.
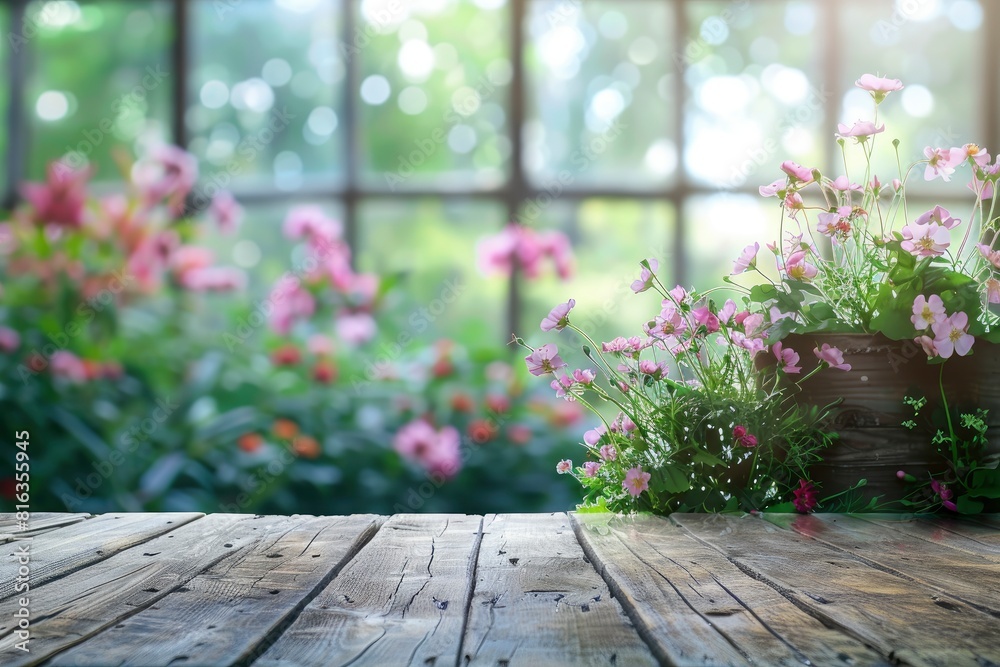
(900,303)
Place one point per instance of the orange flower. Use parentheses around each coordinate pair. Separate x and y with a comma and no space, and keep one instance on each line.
(306,445)
(284,429)
(250,442)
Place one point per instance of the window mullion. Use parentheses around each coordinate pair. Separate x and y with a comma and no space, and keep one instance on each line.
(17,126)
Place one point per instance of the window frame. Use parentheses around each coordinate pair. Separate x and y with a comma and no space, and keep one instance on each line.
(517,189)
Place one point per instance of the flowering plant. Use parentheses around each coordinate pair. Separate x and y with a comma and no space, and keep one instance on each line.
(702,425)
(697,427)
(854,257)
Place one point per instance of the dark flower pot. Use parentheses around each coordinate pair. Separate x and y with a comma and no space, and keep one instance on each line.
(873,444)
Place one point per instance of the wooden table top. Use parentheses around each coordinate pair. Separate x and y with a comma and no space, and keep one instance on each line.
(501,590)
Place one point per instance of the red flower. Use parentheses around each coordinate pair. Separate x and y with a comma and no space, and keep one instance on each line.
(250,442)
(324,372)
(442,368)
(498,403)
(482,431)
(519,434)
(739,432)
(461,402)
(805,497)
(286,355)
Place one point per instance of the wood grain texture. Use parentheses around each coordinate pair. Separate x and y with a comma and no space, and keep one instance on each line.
(401,600)
(694,607)
(539,601)
(81,604)
(936,531)
(38,523)
(229,612)
(63,550)
(966,577)
(902,619)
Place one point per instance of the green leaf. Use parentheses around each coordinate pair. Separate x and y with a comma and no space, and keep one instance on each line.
(967,505)
(781,508)
(600,507)
(985,483)
(671,479)
(707,458)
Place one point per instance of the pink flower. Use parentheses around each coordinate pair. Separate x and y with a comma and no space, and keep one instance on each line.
(843,184)
(584,376)
(835,224)
(437,451)
(940,216)
(497,254)
(311,223)
(653,369)
(727,311)
(993,290)
(951,336)
(739,431)
(949,505)
(704,316)
(927,311)
(646,276)
(67,365)
(320,345)
(545,359)
(623,424)
(970,152)
(752,345)
(667,324)
(749,441)
(290,302)
(927,343)
(558,317)
(62,199)
(564,466)
(787,358)
(168,172)
(939,163)
(746,260)
(804,497)
(773,189)
(590,468)
(989,254)
(794,204)
(10,340)
(356,328)
(636,481)
(797,172)
(798,269)
(984,188)
(228,214)
(213,279)
(562,387)
(593,436)
(558,247)
(930,240)
(861,130)
(679,294)
(753,324)
(831,356)
(897,184)
(608,453)
(879,87)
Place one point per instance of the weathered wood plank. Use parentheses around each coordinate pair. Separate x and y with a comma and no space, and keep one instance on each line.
(966,577)
(401,600)
(38,523)
(231,612)
(539,601)
(696,608)
(77,545)
(901,619)
(81,604)
(932,531)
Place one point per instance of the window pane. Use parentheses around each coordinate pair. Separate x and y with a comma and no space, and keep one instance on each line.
(431,244)
(600,92)
(941,104)
(610,237)
(755,92)
(264,92)
(100,79)
(433,94)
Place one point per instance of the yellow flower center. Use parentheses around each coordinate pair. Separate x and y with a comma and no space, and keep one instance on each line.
(927,243)
(971,149)
(955,335)
(927,314)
